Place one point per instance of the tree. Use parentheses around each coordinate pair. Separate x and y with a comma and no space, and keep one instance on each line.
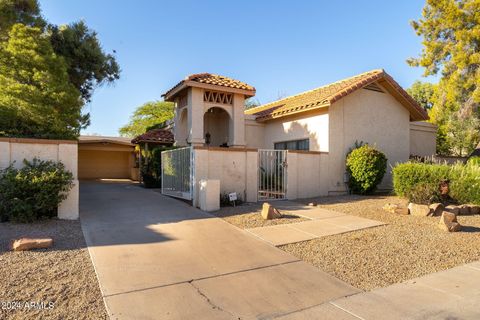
(451,40)
(146,116)
(88,65)
(36,97)
(26,12)
(423,93)
(78,52)
(251,103)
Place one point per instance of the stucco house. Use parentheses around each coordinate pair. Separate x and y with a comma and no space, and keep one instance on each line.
(370,107)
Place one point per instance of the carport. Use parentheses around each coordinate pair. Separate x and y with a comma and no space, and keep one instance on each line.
(102,157)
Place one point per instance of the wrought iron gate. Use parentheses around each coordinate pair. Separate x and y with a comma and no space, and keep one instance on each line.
(177,173)
(272,174)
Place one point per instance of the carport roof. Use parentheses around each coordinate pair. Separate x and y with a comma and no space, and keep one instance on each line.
(104,139)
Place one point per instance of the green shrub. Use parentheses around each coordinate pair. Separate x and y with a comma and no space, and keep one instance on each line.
(420,182)
(465,183)
(474,161)
(408,175)
(34,191)
(366,167)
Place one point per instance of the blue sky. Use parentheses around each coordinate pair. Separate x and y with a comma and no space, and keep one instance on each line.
(279,47)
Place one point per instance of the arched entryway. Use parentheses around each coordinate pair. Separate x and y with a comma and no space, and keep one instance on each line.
(181,132)
(216,124)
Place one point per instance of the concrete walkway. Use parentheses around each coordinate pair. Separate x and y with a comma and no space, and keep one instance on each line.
(159,258)
(450,294)
(322,223)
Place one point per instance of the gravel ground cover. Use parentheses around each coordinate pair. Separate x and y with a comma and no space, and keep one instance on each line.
(406,248)
(249,216)
(62,275)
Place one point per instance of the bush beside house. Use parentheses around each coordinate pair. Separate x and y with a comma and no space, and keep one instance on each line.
(421,182)
(366,167)
(34,191)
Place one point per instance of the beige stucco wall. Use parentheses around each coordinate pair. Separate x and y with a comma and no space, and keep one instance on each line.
(189,120)
(312,126)
(16,150)
(373,117)
(423,136)
(306,174)
(236,170)
(254,133)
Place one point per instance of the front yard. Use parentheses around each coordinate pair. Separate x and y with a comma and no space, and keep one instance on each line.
(61,277)
(407,247)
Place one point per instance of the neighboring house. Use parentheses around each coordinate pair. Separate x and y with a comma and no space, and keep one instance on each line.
(370,107)
(102,157)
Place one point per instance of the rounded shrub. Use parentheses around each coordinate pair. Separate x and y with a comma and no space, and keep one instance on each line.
(34,191)
(366,167)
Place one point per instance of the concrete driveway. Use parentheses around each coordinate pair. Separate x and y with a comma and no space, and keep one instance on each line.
(159,258)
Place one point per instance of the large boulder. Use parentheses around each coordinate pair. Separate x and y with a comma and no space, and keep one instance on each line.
(474,209)
(464,210)
(28,244)
(452,209)
(436,209)
(448,222)
(419,210)
(269,212)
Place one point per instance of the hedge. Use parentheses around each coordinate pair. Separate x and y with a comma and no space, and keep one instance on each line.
(409,179)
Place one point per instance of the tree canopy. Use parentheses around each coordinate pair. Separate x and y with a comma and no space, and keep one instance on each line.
(147,116)
(36,98)
(47,72)
(451,47)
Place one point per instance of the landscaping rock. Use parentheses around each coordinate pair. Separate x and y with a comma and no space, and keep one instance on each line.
(436,209)
(453,209)
(448,222)
(313,204)
(474,209)
(419,209)
(464,210)
(269,212)
(28,244)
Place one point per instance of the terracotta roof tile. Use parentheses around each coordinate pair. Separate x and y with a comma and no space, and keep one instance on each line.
(155,136)
(213,79)
(326,95)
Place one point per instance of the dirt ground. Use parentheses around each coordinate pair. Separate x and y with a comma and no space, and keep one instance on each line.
(408,247)
(248,215)
(55,283)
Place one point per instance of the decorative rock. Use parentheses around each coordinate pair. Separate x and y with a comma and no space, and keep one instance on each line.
(269,212)
(474,209)
(464,210)
(28,244)
(436,209)
(452,209)
(419,210)
(312,204)
(448,222)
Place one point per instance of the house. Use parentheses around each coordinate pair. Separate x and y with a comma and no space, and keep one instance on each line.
(327,121)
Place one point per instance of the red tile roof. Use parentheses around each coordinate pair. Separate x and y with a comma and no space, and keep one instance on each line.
(213,79)
(159,136)
(327,95)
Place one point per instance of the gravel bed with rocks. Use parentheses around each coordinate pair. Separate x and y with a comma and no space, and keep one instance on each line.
(407,247)
(61,277)
(248,216)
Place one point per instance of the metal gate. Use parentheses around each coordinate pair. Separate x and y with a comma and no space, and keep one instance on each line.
(177,173)
(272,174)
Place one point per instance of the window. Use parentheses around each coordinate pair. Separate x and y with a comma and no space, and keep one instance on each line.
(303,144)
